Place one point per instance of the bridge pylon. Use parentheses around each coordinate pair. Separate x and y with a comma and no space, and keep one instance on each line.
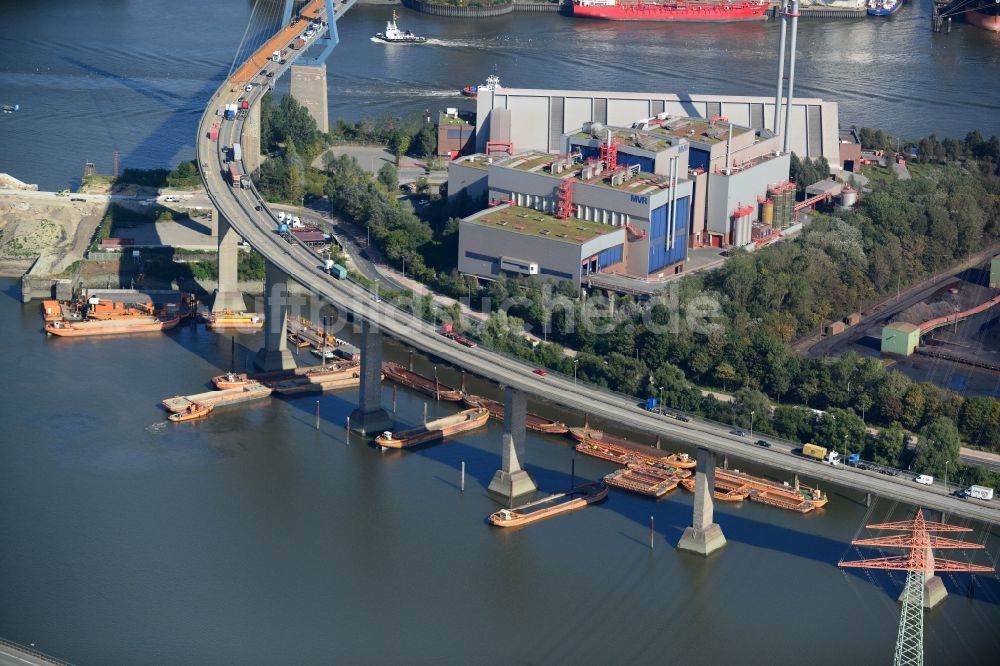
(370,418)
(511,480)
(227,295)
(274,355)
(308,75)
(704,536)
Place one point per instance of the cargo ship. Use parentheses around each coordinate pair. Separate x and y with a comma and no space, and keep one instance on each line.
(532,422)
(679,10)
(410,379)
(987,18)
(227,319)
(233,396)
(432,431)
(619,450)
(129,326)
(553,505)
(884,7)
(194,411)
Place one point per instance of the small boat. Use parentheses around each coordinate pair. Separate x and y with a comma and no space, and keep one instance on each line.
(11,108)
(393,35)
(231,380)
(553,505)
(325,353)
(129,326)
(466,420)
(884,7)
(194,411)
(417,382)
(532,422)
(492,83)
(227,319)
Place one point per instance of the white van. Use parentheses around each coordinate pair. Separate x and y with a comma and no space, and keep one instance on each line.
(925,479)
(281,216)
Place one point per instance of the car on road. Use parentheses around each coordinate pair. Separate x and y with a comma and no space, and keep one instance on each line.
(739,432)
(263,72)
(377,299)
(540,372)
(77,199)
(257,207)
(270,75)
(682,417)
(249,87)
(764,443)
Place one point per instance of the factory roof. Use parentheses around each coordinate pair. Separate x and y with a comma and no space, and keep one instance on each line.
(538,162)
(448,119)
(698,129)
(627,137)
(536,223)
(902,326)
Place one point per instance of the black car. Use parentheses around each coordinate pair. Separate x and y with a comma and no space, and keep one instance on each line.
(257,207)
(763,442)
(738,432)
(682,417)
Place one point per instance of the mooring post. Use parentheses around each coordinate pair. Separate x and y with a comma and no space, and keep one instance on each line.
(657,441)
(425,413)
(462,486)
(652,531)
(437,389)
(348,426)
(411,361)
(317,415)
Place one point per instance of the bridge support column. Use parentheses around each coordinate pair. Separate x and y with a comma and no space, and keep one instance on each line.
(228,295)
(369,418)
(510,480)
(704,536)
(251,140)
(274,355)
(934,590)
(309,89)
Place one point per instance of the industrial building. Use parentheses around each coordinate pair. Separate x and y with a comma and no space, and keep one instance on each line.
(456,134)
(900,338)
(524,241)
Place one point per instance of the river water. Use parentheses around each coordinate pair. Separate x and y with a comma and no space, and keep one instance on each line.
(89,84)
(252,538)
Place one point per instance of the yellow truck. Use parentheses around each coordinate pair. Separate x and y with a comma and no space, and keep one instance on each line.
(821,454)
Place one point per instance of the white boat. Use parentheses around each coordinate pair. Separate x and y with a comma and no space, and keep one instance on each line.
(393,35)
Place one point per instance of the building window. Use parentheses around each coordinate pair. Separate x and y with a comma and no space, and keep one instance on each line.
(454,134)
(555,273)
(479,257)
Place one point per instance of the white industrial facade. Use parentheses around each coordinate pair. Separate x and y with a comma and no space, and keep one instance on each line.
(534,119)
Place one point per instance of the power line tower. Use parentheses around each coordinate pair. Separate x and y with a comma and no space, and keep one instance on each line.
(923,589)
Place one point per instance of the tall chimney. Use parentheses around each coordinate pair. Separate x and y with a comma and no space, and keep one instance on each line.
(791,74)
(781,66)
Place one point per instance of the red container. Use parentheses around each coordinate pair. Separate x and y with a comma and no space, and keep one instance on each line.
(213,133)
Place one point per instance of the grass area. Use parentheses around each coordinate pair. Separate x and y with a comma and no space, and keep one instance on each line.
(535,223)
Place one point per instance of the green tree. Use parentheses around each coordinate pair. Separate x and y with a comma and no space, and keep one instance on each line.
(939,442)
(389,177)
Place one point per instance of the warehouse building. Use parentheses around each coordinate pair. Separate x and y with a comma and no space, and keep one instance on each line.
(523,241)
(900,338)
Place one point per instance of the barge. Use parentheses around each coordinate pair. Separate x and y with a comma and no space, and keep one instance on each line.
(734,485)
(229,320)
(639,481)
(432,431)
(532,421)
(126,326)
(619,450)
(417,382)
(553,505)
(233,396)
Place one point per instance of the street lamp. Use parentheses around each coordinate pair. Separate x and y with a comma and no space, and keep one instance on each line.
(751,424)
(661,400)
(575,361)
(946,475)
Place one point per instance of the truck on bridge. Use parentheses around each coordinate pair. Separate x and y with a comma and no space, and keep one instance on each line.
(821,454)
(234,175)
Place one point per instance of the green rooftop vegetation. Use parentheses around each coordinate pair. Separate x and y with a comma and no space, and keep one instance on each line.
(536,223)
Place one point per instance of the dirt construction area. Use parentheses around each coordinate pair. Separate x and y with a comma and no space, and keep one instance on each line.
(46,225)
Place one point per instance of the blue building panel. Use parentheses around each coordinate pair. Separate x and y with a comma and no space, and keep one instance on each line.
(660,252)
(698,158)
(645,163)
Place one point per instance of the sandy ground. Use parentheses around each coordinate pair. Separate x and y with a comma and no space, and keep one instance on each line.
(48,225)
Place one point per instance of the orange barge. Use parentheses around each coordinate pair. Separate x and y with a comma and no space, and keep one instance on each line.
(466,420)
(305,384)
(233,396)
(619,450)
(314,373)
(126,326)
(101,309)
(417,382)
(638,481)
(532,422)
(733,484)
(553,505)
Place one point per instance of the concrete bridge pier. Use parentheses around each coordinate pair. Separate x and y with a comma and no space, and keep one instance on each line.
(704,536)
(369,418)
(274,355)
(510,480)
(308,87)
(228,295)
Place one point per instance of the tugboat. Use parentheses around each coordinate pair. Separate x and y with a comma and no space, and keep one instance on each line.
(492,83)
(394,35)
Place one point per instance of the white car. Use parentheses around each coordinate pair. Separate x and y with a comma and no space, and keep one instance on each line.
(249,87)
